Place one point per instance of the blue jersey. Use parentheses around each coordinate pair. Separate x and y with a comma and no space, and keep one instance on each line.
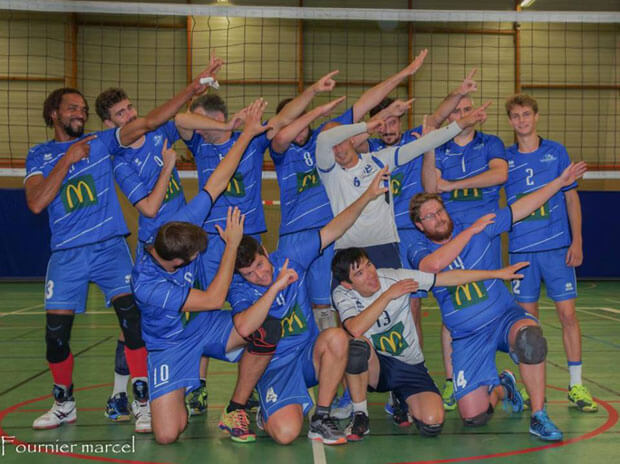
(460,162)
(137,170)
(244,188)
(405,180)
(292,305)
(160,295)
(467,308)
(86,209)
(547,228)
(303,201)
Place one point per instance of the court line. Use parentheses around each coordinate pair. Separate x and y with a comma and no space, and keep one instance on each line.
(602,316)
(592,381)
(39,374)
(38,313)
(611,310)
(583,335)
(318,452)
(18,311)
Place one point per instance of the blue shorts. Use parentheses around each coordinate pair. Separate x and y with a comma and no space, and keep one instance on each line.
(286,381)
(319,272)
(211,258)
(403,379)
(549,266)
(107,263)
(473,356)
(407,238)
(179,366)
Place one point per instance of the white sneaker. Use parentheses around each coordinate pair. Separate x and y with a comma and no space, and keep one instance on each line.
(142,412)
(259,419)
(59,414)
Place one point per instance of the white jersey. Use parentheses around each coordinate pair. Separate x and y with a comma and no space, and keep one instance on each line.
(376,225)
(394,333)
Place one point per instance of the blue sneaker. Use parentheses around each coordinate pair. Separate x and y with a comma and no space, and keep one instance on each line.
(542,427)
(513,399)
(117,408)
(342,407)
(389,405)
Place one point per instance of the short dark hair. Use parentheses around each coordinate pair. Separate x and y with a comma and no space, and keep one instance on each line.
(53,100)
(343,261)
(180,240)
(383,104)
(521,99)
(248,249)
(282,104)
(107,99)
(416,202)
(210,103)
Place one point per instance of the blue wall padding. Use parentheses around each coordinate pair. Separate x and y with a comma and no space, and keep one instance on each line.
(24,237)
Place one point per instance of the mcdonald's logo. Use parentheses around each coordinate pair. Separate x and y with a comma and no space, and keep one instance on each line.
(541,213)
(236,187)
(396,184)
(294,322)
(79,193)
(392,341)
(468,294)
(174,188)
(467,194)
(307,180)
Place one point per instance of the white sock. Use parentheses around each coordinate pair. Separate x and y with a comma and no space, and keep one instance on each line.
(574,370)
(120,383)
(361,406)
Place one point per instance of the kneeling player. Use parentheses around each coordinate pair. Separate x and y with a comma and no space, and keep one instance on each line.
(303,357)
(385,354)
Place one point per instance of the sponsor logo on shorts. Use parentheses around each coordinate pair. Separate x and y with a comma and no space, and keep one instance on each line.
(568,287)
(271,396)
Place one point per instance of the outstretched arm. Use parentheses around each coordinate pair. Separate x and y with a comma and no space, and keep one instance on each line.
(495,175)
(452,100)
(526,205)
(373,96)
(339,225)
(460,276)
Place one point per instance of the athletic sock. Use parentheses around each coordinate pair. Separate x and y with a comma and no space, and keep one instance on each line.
(203,383)
(362,406)
(120,384)
(320,413)
(62,372)
(136,360)
(574,370)
(232,406)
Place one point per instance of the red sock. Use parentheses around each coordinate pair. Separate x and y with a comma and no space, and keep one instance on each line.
(136,361)
(62,372)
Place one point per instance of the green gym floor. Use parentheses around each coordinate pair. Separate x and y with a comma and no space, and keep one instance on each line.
(25,385)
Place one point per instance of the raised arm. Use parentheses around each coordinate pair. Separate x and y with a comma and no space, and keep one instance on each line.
(396,109)
(452,100)
(527,204)
(187,122)
(373,96)
(295,107)
(332,136)
(40,190)
(132,131)
(339,225)
(214,296)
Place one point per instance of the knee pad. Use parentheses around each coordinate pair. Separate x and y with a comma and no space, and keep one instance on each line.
(129,319)
(264,341)
(57,334)
(359,354)
(530,345)
(428,430)
(480,419)
(120,361)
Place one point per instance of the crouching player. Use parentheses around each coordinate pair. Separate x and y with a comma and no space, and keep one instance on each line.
(303,357)
(385,353)
(484,317)
(163,282)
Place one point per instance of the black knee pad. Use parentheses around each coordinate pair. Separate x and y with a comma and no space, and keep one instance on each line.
(359,354)
(530,345)
(129,319)
(120,361)
(428,430)
(264,341)
(480,419)
(57,334)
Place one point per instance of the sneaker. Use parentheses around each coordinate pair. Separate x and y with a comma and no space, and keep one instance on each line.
(237,424)
(447,396)
(196,401)
(59,414)
(401,415)
(117,408)
(325,429)
(342,407)
(580,398)
(542,427)
(358,427)
(259,419)
(389,405)
(142,412)
(513,401)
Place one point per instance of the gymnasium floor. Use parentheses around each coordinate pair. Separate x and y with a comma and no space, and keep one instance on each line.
(25,385)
